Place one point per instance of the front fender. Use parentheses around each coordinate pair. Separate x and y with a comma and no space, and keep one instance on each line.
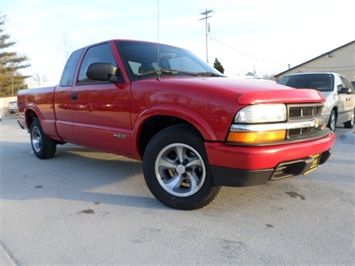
(182,112)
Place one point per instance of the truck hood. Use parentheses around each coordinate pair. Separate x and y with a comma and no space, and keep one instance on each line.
(328,94)
(246,91)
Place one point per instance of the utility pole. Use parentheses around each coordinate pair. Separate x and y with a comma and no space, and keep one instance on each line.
(207,27)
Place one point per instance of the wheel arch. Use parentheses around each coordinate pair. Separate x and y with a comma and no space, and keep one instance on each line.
(153,121)
(154,124)
(30,116)
(335,107)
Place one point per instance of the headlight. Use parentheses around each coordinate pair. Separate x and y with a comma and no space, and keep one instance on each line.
(261,113)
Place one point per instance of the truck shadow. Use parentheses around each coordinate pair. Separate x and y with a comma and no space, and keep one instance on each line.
(75,173)
(79,174)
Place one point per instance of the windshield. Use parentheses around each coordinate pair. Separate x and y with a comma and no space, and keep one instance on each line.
(321,82)
(145,59)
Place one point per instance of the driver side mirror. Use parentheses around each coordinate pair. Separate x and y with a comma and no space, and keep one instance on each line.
(102,72)
(345,91)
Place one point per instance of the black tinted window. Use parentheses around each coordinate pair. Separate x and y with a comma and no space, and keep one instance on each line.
(98,54)
(69,69)
(321,82)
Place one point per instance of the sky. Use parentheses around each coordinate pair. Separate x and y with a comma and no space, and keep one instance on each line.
(261,36)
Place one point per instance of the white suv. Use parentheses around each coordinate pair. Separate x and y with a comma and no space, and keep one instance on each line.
(336,89)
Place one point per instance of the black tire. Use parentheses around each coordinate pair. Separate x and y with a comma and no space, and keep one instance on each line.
(42,146)
(332,120)
(350,123)
(177,171)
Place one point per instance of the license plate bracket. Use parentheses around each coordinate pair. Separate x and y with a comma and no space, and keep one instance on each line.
(313,163)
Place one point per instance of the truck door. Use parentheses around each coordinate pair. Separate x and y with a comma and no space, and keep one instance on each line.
(62,98)
(348,98)
(346,101)
(341,99)
(101,110)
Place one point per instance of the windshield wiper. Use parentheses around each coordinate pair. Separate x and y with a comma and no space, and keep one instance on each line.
(209,74)
(167,72)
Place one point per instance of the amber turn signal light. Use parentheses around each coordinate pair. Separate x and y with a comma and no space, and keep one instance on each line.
(256,137)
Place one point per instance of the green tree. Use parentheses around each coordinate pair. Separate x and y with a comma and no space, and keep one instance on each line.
(11,80)
(217,65)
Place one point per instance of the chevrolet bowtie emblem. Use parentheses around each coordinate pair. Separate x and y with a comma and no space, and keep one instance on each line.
(315,122)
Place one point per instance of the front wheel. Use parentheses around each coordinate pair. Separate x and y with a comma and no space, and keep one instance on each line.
(42,146)
(350,123)
(332,120)
(176,169)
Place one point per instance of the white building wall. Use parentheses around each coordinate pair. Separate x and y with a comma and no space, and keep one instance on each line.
(4,103)
(341,61)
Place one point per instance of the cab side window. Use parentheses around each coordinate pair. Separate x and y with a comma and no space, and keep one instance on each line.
(338,83)
(97,54)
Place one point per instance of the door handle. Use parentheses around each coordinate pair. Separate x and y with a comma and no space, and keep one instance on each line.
(74,96)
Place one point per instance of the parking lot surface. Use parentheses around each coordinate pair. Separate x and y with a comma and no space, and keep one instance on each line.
(89,207)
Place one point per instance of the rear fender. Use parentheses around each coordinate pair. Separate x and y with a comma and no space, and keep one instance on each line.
(48,125)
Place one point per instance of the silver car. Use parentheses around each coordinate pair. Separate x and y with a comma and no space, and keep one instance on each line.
(336,89)
(12,107)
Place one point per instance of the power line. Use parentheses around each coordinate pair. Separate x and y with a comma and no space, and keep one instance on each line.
(255,57)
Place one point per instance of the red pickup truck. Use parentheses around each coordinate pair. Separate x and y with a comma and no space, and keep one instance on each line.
(194,129)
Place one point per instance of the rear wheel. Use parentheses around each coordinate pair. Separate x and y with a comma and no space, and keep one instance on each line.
(332,120)
(350,123)
(176,169)
(42,146)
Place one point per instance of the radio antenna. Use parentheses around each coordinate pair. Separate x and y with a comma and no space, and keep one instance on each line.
(158,49)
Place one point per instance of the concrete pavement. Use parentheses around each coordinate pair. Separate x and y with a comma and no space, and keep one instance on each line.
(88,207)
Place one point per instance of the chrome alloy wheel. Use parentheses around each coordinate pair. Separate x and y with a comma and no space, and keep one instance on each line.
(180,170)
(36,139)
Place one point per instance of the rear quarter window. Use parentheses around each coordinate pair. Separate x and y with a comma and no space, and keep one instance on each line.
(69,69)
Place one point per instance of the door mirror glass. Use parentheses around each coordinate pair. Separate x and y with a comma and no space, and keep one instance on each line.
(102,72)
(345,90)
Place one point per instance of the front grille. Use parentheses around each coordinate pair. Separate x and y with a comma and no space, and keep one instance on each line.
(300,131)
(296,112)
(305,112)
